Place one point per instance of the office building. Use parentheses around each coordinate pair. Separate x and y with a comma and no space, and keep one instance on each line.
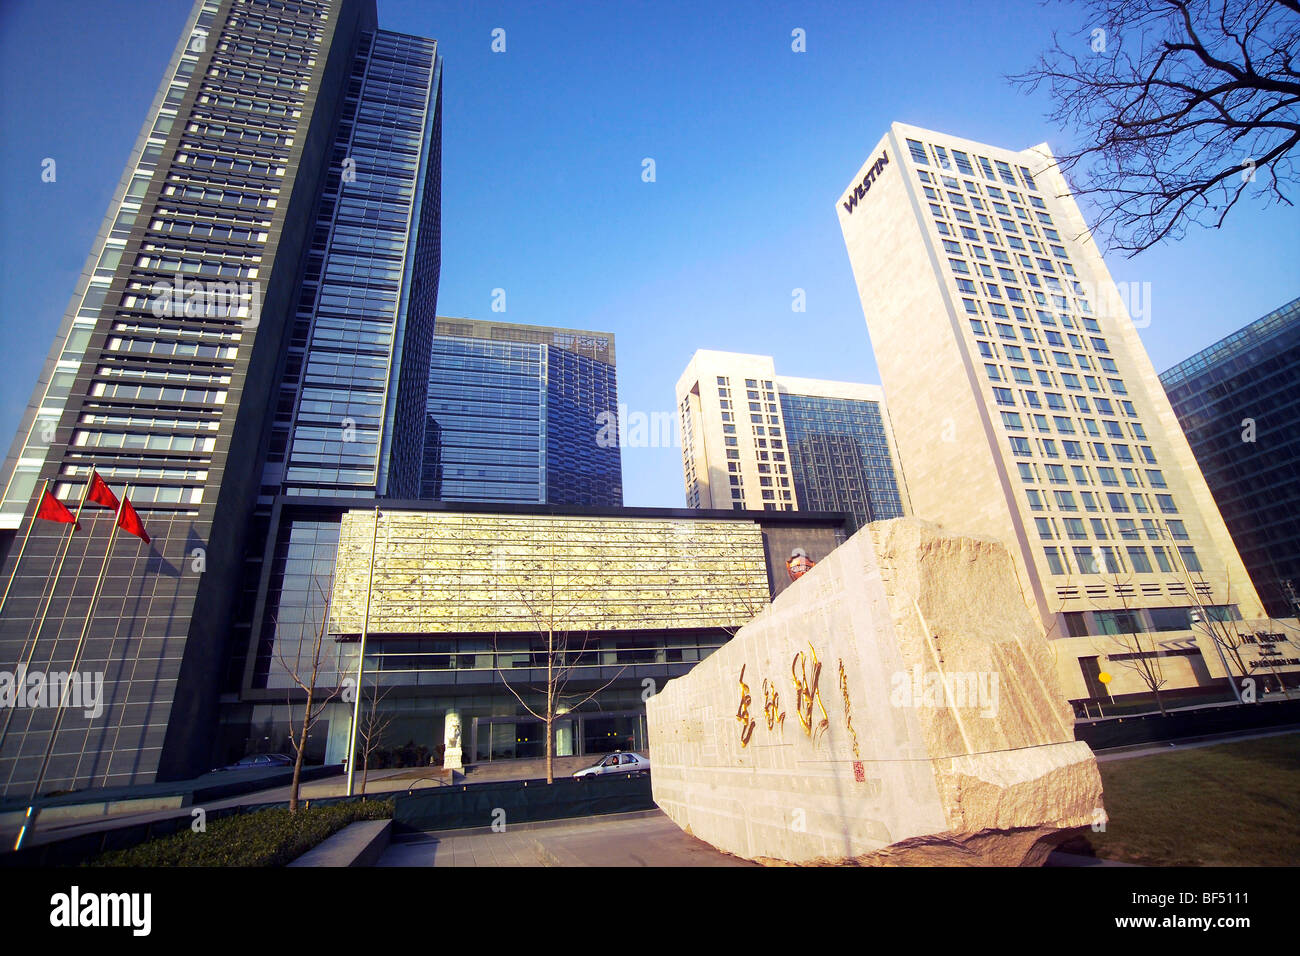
(1238,402)
(458,600)
(254,320)
(754,439)
(1025,408)
(515,414)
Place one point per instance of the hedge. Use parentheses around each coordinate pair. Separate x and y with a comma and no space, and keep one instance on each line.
(273,837)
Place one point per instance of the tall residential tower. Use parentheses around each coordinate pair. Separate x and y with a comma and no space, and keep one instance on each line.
(755,439)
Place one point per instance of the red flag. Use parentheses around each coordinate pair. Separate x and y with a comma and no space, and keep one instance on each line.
(100,493)
(128,520)
(52,509)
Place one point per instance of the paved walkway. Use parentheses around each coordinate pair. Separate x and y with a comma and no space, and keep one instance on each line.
(646,838)
(379,784)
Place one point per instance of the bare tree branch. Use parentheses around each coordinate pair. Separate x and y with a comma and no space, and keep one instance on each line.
(1181,107)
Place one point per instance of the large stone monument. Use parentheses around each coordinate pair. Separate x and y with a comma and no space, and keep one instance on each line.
(897,704)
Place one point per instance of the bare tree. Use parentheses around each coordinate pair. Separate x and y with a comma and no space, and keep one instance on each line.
(305,675)
(374,723)
(550,608)
(1127,648)
(1228,638)
(1181,106)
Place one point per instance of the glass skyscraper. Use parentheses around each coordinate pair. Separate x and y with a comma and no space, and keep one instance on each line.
(514,414)
(1239,404)
(254,318)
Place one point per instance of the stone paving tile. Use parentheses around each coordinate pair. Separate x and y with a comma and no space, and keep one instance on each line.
(594,841)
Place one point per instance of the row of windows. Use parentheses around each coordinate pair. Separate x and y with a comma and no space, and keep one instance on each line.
(966,166)
(1112,560)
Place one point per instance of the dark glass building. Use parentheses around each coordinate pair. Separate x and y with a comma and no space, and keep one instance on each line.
(514,414)
(254,319)
(840,456)
(1239,404)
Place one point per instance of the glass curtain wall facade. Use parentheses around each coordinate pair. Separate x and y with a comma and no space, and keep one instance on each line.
(579,469)
(514,414)
(183,332)
(351,413)
(840,458)
(1239,404)
(485,426)
(362,301)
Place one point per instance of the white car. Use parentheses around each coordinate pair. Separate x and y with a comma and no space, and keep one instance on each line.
(618,762)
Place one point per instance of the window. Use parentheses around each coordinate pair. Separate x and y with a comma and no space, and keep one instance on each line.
(1170,618)
(1055,563)
(1177,530)
(1137,556)
(1086,559)
(1118,622)
(1190,560)
(918,153)
(1166,504)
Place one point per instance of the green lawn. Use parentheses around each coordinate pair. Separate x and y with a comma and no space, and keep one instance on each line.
(1232,804)
(263,838)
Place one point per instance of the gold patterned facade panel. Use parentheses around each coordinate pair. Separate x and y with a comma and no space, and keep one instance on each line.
(438,572)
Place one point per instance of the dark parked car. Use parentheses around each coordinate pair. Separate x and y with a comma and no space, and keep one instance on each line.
(258,760)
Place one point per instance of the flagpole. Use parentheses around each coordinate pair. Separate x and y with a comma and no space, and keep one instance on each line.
(361,658)
(52,588)
(58,568)
(23,547)
(81,643)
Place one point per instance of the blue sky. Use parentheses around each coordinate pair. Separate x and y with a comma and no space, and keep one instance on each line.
(542,158)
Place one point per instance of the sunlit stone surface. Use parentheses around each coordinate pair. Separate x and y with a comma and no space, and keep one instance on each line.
(934,733)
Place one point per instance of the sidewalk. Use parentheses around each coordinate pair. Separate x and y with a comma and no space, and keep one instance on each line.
(380,783)
(647,838)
